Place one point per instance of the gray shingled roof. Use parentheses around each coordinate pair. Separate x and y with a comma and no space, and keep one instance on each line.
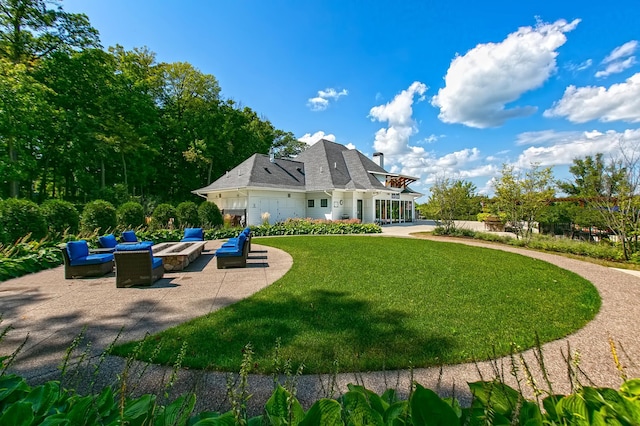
(323,166)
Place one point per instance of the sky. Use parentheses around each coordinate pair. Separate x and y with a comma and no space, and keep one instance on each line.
(445,89)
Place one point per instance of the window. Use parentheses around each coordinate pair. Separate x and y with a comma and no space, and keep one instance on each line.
(310,203)
(324,202)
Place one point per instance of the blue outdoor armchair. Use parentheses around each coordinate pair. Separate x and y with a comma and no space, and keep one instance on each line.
(78,262)
(193,234)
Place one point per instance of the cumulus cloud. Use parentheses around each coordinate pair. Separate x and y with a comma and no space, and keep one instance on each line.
(620,102)
(310,139)
(565,149)
(480,84)
(546,137)
(399,115)
(321,102)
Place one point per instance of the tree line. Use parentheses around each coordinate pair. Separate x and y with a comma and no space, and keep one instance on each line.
(79,122)
(602,195)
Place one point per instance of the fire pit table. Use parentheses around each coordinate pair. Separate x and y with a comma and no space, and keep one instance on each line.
(176,256)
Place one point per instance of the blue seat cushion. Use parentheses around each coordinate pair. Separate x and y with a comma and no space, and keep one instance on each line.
(190,240)
(77,249)
(129,237)
(193,233)
(142,245)
(156,262)
(107,241)
(224,252)
(92,259)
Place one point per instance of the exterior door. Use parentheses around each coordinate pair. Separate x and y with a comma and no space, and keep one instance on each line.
(359,209)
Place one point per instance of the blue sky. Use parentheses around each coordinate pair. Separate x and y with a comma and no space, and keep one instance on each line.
(443,88)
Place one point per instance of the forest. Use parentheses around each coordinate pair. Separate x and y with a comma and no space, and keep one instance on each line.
(79,122)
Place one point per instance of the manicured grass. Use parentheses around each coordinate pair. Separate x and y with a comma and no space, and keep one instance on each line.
(356,303)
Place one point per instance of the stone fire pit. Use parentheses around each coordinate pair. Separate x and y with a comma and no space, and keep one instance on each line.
(176,256)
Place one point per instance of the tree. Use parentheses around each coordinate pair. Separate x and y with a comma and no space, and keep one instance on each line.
(619,202)
(524,196)
(451,199)
(30,31)
(285,145)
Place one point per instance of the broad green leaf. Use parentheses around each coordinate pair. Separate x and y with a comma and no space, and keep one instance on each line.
(428,409)
(203,416)
(501,398)
(396,413)
(225,419)
(376,402)
(18,414)
(177,412)
(325,412)
(277,407)
(573,408)
(139,407)
(390,396)
(550,406)
(530,414)
(43,397)
(358,411)
(631,388)
(12,388)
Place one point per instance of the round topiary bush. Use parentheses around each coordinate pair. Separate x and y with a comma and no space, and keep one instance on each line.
(209,214)
(20,217)
(130,215)
(187,214)
(98,215)
(162,215)
(60,216)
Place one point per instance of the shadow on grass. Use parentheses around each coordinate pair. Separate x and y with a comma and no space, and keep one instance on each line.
(320,329)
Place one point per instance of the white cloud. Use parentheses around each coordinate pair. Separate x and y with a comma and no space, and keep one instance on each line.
(620,52)
(311,139)
(545,137)
(321,102)
(619,59)
(579,67)
(564,150)
(620,102)
(398,113)
(479,84)
(350,146)
(617,67)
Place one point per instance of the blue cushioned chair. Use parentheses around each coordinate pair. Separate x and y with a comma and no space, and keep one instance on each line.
(231,242)
(234,255)
(106,242)
(79,263)
(193,234)
(129,237)
(140,245)
(137,267)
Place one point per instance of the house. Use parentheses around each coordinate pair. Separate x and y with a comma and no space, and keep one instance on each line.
(326,181)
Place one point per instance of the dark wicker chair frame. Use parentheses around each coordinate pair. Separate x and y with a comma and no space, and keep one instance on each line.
(234,261)
(95,270)
(134,268)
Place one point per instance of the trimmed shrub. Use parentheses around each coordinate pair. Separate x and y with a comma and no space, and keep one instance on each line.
(130,215)
(19,217)
(209,214)
(98,215)
(187,214)
(60,216)
(161,215)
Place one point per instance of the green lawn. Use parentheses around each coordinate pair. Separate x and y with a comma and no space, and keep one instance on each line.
(373,303)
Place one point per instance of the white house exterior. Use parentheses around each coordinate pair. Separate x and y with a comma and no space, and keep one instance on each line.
(326,181)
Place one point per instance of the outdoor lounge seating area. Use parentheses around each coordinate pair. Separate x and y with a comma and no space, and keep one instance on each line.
(79,262)
(233,253)
(137,267)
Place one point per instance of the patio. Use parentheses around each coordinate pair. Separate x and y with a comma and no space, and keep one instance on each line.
(53,311)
